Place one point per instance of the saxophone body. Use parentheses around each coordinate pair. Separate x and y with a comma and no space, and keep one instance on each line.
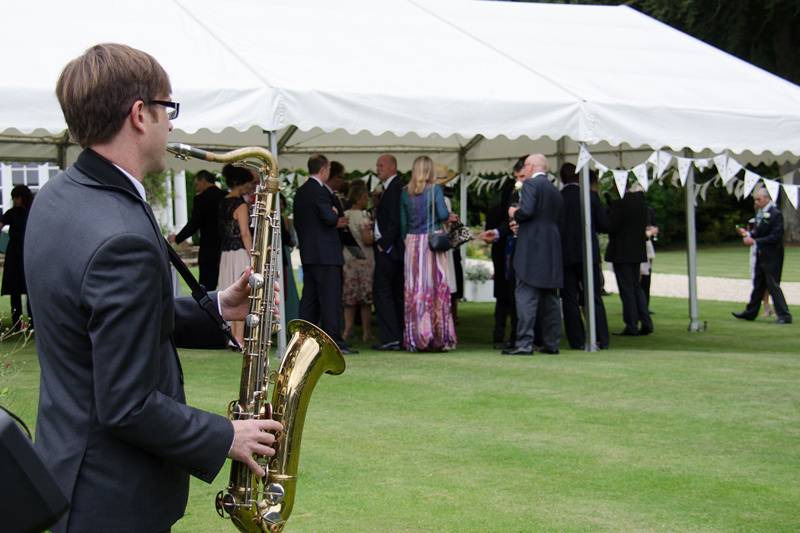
(255,504)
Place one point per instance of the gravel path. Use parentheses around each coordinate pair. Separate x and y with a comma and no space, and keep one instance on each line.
(708,288)
(677,286)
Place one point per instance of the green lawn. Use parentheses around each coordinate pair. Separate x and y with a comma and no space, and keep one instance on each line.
(725,261)
(672,432)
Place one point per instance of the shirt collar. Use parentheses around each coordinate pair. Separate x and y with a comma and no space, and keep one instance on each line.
(316,178)
(136,183)
(388,181)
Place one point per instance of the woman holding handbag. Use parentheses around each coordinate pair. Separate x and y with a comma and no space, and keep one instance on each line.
(428,320)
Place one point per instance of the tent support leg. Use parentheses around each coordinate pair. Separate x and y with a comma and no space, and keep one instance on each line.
(691,253)
(588,262)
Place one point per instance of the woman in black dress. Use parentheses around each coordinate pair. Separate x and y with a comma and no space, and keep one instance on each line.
(13,270)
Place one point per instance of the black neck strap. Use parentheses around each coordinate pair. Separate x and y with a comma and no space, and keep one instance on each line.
(200,295)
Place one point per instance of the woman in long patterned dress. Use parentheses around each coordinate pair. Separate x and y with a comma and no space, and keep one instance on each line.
(234,232)
(428,320)
(357,285)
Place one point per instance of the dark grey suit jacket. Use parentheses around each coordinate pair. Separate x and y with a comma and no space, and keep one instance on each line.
(387,214)
(769,241)
(627,221)
(113,426)
(537,256)
(315,222)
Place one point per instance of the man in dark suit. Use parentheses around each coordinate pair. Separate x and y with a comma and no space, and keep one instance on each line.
(113,425)
(767,235)
(537,260)
(572,249)
(317,221)
(627,225)
(204,218)
(499,234)
(387,282)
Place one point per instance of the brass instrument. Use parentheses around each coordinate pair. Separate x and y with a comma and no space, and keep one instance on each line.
(257,504)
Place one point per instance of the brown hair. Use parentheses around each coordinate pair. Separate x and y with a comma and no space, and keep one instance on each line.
(97,89)
(422,174)
(316,163)
(357,189)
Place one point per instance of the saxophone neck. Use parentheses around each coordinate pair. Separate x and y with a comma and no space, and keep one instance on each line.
(266,166)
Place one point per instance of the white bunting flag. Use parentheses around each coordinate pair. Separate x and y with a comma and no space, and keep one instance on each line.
(750,181)
(739,189)
(660,161)
(640,171)
(731,169)
(683,168)
(583,157)
(792,193)
(731,186)
(773,188)
(601,168)
(721,162)
(621,180)
(702,163)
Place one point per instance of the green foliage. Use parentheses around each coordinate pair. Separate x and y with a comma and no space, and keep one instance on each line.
(762,32)
(155,188)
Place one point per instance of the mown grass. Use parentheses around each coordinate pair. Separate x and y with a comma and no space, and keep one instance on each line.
(675,431)
(724,261)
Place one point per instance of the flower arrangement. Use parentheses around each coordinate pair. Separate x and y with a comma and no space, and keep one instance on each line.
(477,272)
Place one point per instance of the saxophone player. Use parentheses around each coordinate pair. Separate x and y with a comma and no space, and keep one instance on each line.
(113,424)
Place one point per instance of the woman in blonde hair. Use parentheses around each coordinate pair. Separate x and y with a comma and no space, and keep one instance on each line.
(428,320)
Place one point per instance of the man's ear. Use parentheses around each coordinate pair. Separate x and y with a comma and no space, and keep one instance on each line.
(136,116)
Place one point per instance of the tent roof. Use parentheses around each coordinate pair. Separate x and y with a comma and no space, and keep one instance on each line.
(433,74)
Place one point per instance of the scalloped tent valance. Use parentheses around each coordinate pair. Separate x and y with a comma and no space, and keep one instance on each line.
(478,82)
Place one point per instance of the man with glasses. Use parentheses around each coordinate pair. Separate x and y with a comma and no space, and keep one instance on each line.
(113,425)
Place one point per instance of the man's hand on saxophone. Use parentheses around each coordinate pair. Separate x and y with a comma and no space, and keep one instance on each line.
(233,301)
(253,437)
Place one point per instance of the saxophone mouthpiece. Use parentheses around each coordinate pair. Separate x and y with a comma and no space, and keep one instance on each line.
(185,151)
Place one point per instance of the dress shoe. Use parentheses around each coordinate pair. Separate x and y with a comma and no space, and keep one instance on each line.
(743,316)
(782,320)
(548,351)
(645,331)
(627,333)
(348,351)
(393,346)
(517,351)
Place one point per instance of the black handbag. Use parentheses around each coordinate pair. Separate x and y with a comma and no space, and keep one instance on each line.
(438,240)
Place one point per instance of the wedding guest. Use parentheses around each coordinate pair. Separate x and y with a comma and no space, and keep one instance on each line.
(537,260)
(13,267)
(357,272)
(498,233)
(428,321)
(646,268)
(767,235)
(627,251)
(317,221)
(233,223)
(387,281)
(455,270)
(204,219)
(573,294)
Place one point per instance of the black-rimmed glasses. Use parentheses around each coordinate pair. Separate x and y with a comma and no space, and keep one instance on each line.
(172,107)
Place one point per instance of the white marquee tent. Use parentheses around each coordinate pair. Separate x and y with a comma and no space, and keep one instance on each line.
(477,83)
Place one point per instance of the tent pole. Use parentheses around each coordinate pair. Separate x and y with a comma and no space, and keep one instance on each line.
(691,252)
(588,261)
(284,139)
(273,143)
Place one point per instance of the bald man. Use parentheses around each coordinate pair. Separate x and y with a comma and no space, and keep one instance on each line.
(768,238)
(537,260)
(387,283)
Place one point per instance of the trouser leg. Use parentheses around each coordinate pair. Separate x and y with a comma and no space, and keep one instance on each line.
(570,298)
(527,299)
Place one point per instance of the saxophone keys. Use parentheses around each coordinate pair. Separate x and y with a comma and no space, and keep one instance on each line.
(274,494)
(252,320)
(256,280)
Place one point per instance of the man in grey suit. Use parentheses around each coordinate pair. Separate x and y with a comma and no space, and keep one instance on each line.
(113,425)
(537,260)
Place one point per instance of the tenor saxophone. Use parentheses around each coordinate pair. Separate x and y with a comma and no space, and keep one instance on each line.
(256,504)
